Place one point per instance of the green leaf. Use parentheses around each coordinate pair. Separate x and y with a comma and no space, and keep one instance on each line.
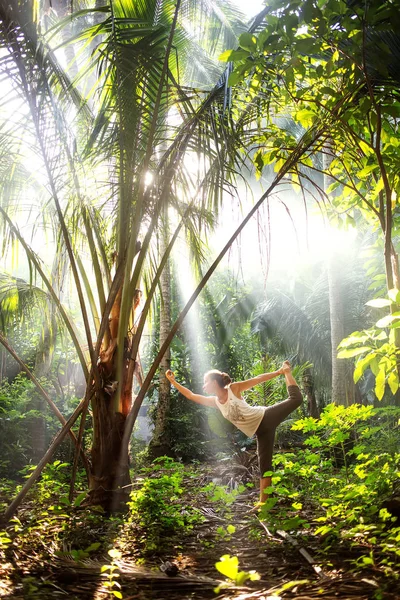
(380,383)
(393,381)
(374,366)
(379,186)
(353,339)
(394,295)
(233,55)
(352,352)
(308,12)
(365,148)
(362,364)
(366,171)
(235,77)
(304,45)
(305,117)
(378,303)
(386,321)
(231,529)
(225,56)
(248,41)
(328,90)
(228,566)
(79,499)
(117,594)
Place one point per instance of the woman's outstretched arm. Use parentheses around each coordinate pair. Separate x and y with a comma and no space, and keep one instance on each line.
(198,398)
(241,386)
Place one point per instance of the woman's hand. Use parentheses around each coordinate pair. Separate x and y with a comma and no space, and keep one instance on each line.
(170,376)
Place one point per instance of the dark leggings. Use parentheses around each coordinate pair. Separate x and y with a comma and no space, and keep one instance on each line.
(273,416)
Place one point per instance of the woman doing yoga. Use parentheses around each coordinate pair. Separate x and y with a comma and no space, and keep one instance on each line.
(262,421)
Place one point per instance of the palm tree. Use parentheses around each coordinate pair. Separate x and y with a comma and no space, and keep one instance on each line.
(118,138)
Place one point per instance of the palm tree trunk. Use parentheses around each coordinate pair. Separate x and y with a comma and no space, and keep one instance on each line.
(109,479)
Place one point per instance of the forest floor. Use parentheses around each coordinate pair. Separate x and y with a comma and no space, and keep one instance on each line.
(60,553)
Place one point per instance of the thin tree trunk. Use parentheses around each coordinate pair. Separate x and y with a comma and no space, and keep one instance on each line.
(341,386)
(309,388)
(43,362)
(160,443)
(339,371)
(2,364)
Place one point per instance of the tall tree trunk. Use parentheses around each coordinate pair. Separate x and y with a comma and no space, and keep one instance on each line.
(110,472)
(339,370)
(160,444)
(110,478)
(342,386)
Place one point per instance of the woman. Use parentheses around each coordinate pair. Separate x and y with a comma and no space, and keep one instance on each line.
(259,420)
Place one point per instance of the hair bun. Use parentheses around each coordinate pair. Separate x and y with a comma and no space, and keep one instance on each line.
(226,379)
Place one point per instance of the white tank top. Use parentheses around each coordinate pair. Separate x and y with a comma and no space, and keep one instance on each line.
(236,410)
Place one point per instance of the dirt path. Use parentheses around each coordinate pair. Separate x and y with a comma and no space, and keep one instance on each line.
(33,574)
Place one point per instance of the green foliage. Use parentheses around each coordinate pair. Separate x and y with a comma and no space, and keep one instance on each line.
(110,574)
(375,349)
(229,567)
(219,494)
(53,481)
(349,470)
(156,505)
(225,533)
(15,441)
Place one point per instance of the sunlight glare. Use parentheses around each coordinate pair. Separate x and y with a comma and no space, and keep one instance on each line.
(193,325)
(148,178)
